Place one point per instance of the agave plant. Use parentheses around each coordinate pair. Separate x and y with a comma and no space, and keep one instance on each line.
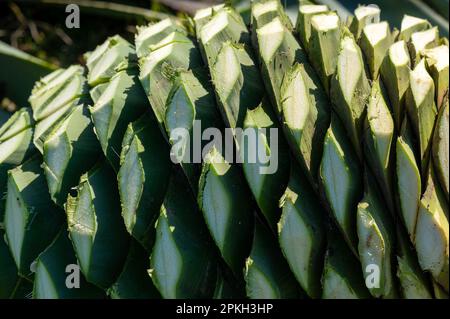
(98,177)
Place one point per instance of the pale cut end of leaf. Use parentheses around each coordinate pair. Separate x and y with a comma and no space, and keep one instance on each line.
(395,75)
(263,12)
(18,122)
(411,25)
(364,16)
(273,30)
(53,97)
(421,41)
(278,50)
(375,42)
(350,90)
(380,122)
(16,138)
(226,25)
(324,45)
(190,100)
(306,12)
(122,102)
(438,65)
(70,150)
(103,61)
(306,118)
(204,15)
(241,89)
(66,84)
(152,34)
(16,146)
(422,110)
(158,69)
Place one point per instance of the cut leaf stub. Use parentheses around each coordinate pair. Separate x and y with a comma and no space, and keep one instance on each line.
(225,25)
(395,75)
(350,90)
(306,117)
(183,260)
(324,45)
(243,106)
(53,97)
(278,50)
(176,52)
(242,89)
(16,146)
(302,225)
(190,111)
(143,177)
(375,42)
(103,61)
(411,25)
(266,160)
(364,16)
(225,45)
(378,141)
(421,41)
(16,138)
(224,199)
(148,36)
(122,102)
(264,12)
(70,150)
(341,179)
(306,12)
(422,110)
(31,221)
(437,61)
(96,225)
